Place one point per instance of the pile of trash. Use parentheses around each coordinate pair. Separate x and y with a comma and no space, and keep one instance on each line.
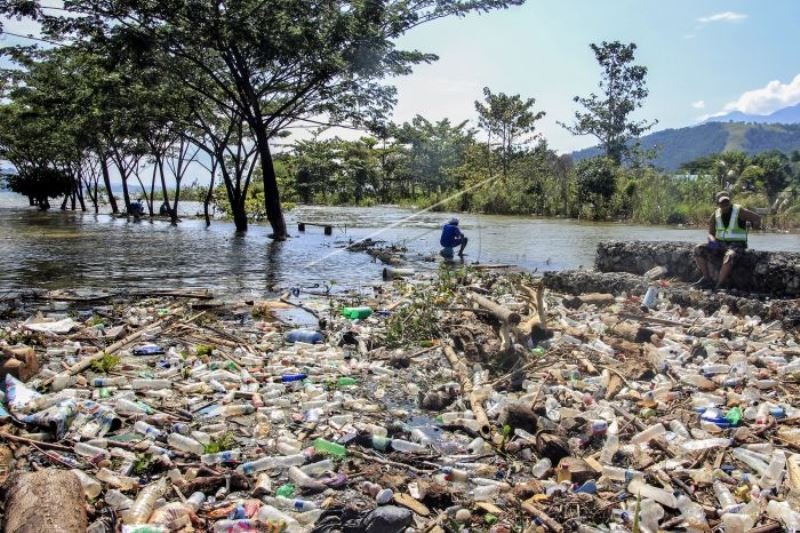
(463,400)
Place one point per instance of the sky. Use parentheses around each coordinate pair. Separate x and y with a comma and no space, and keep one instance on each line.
(704,57)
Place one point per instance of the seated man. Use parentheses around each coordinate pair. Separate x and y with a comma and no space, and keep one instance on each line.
(452,237)
(727,236)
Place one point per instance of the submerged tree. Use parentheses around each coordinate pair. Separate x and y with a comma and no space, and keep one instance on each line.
(271,63)
(608,116)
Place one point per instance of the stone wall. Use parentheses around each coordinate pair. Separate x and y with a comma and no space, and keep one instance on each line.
(773,273)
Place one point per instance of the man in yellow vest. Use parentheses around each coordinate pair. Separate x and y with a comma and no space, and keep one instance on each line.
(727,237)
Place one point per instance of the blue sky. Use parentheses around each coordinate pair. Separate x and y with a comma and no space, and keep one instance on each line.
(706,53)
(704,57)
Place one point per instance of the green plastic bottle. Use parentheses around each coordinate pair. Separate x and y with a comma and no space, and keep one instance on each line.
(330,448)
(346,381)
(287,490)
(356,313)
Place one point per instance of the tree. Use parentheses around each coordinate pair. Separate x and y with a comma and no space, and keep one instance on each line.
(596,182)
(273,63)
(607,116)
(510,120)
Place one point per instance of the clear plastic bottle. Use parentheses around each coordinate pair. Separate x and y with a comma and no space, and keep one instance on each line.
(145,502)
(693,514)
(637,487)
(292,504)
(151,384)
(650,514)
(783,513)
(654,431)
(185,444)
(318,468)
(229,456)
(541,467)
(270,515)
(726,500)
(117,501)
(615,473)
(115,480)
(405,446)
(147,430)
(610,447)
(774,474)
(552,409)
(751,459)
(92,453)
(691,446)
(677,427)
(91,487)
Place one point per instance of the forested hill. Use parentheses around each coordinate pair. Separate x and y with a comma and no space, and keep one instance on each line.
(678,146)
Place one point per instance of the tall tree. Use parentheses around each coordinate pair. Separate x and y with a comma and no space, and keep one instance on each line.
(510,120)
(274,63)
(624,89)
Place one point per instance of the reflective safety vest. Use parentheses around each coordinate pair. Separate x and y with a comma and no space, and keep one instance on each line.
(733,233)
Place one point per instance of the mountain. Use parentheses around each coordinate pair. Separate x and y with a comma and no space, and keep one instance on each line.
(787,115)
(678,146)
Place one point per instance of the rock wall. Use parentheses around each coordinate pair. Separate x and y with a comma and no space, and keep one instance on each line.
(773,273)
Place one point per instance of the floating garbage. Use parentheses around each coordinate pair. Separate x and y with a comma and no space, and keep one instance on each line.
(447,411)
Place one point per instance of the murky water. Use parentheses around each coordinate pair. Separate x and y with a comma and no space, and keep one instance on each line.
(57,250)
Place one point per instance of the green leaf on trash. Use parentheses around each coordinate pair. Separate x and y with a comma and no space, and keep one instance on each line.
(204,349)
(143,464)
(106,364)
(95,321)
(490,518)
(226,442)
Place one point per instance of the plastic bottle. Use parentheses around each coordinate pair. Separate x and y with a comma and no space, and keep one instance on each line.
(651,297)
(726,500)
(346,381)
(117,501)
(691,446)
(292,504)
(288,378)
(610,447)
(693,514)
(145,502)
(677,427)
(90,485)
(621,474)
(552,409)
(320,467)
(405,446)
(93,453)
(148,349)
(271,462)
(147,430)
(356,313)
(115,480)
(229,456)
(750,459)
(637,487)
(330,448)
(654,431)
(185,444)
(774,474)
(270,515)
(650,514)
(305,336)
(151,384)
(783,513)
(241,525)
(541,467)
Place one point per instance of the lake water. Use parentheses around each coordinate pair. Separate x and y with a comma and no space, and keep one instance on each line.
(70,250)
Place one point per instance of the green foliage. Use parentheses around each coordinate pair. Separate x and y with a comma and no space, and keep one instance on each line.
(227,441)
(607,117)
(106,364)
(144,464)
(203,350)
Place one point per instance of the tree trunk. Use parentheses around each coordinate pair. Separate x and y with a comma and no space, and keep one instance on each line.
(48,500)
(31,201)
(239,215)
(272,201)
(64,203)
(164,192)
(174,213)
(126,195)
(209,196)
(107,183)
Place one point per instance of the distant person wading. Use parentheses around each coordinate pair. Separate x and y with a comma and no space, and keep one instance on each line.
(451,238)
(727,238)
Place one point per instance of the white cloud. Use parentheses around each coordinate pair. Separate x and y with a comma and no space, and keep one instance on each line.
(700,104)
(775,95)
(688,36)
(725,16)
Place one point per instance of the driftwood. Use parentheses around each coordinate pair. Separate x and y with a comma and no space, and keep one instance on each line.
(48,500)
(475,401)
(86,362)
(498,311)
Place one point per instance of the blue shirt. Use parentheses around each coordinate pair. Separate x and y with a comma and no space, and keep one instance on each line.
(451,236)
